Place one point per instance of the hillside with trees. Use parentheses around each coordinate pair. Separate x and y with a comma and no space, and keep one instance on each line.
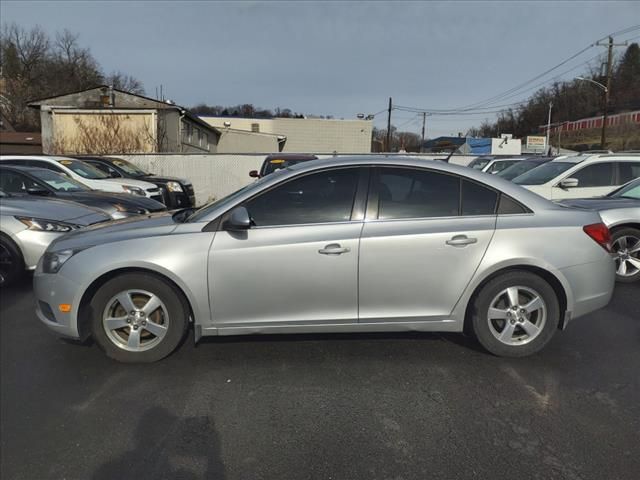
(37,65)
(573,100)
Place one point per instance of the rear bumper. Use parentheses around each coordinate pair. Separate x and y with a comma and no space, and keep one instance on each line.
(592,285)
(50,291)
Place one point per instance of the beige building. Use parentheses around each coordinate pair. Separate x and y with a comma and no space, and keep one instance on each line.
(306,135)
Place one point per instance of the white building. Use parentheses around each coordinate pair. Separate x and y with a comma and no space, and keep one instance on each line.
(306,135)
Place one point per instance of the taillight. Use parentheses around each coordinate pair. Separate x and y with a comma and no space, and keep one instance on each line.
(600,233)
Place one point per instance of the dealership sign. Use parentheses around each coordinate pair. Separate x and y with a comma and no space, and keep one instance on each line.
(536,142)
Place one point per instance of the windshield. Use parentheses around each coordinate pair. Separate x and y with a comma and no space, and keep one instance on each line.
(479,163)
(543,173)
(83,169)
(202,212)
(129,167)
(278,164)
(59,182)
(631,190)
(517,169)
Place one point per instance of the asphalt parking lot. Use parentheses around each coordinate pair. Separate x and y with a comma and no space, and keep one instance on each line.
(399,406)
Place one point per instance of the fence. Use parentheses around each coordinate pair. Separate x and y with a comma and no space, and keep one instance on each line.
(217,175)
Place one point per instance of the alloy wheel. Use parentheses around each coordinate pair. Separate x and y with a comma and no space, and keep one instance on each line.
(517,315)
(627,255)
(135,320)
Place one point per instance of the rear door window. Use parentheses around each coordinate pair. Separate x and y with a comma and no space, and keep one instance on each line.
(627,171)
(413,193)
(478,199)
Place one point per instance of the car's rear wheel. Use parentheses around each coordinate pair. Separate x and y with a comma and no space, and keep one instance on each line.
(138,317)
(11,262)
(515,314)
(625,244)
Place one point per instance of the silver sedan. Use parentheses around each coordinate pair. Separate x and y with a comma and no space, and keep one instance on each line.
(345,245)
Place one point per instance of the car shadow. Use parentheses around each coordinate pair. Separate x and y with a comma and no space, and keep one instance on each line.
(168,447)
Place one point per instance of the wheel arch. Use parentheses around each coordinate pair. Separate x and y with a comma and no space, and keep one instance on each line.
(84,309)
(548,276)
(622,225)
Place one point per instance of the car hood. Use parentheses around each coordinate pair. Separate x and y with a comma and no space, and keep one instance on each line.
(163,179)
(129,181)
(107,200)
(52,209)
(152,225)
(602,203)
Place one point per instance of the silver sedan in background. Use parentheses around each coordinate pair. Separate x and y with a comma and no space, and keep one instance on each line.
(28,225)
(620,211)
(343,245)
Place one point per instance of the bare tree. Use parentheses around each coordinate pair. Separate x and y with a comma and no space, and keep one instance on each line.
(124,82)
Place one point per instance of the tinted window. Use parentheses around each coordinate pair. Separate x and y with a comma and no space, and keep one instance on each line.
(478,200)
(627,171)
(129,167)
(83,169)
(596,175)
(501,165)
(12,182)
(407,193)
(508,206)
(104,168)
(518,169)
(317,198)
(543,173)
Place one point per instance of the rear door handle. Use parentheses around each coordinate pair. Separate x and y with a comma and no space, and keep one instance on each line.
(333,249)
(461,241)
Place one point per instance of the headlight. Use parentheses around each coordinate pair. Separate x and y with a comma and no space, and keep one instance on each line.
(133,190)
(42,225)
(174,187)
(53,261)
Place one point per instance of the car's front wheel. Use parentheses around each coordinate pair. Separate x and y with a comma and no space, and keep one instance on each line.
(515,314)
(138,317)
(625,243)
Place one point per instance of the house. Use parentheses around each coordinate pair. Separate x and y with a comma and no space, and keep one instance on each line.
(105,120)
(305,135)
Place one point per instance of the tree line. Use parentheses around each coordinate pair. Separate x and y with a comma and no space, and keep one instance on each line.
(34,64)
(571,100)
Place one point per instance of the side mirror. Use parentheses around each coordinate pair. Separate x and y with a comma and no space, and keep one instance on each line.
(569,183)
(254,174)
(37,191)
(239,219)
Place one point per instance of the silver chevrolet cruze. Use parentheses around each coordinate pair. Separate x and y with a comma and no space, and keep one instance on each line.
(345,245)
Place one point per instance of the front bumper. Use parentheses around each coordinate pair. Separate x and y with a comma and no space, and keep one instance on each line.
(50,291)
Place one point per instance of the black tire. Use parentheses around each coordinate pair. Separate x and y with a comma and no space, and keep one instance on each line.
(176,308)
(11,262)
(480,313)
(615,236)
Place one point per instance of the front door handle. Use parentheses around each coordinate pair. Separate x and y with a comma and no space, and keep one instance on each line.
(461,241)
(333,249)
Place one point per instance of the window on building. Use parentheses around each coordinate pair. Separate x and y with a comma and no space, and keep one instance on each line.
(255,127)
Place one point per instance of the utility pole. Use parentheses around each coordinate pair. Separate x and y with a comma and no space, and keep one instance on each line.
(607,91)
(389,126)
(424,120)
(548,128)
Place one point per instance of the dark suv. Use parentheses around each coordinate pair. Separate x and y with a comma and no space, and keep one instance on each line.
(176,192)
(280,160)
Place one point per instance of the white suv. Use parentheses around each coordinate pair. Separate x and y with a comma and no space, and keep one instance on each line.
(581,176)
(86,174)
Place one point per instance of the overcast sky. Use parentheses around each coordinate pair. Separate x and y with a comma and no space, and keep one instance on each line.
(340,58)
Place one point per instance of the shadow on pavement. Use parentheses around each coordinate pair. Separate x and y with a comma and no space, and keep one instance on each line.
(168,447)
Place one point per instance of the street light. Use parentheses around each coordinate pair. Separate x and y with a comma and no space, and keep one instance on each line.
(603,87)
(605,90)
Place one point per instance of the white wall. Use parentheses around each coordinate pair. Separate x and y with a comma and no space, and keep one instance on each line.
(217,175)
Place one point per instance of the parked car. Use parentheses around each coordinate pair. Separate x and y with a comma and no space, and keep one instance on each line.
(17,180)
(357,245)
(620,211)
(480,162)
(279,161)
(176,192)
(581,176)
(498,164)
(28,225)
(86,174)
(523,166)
